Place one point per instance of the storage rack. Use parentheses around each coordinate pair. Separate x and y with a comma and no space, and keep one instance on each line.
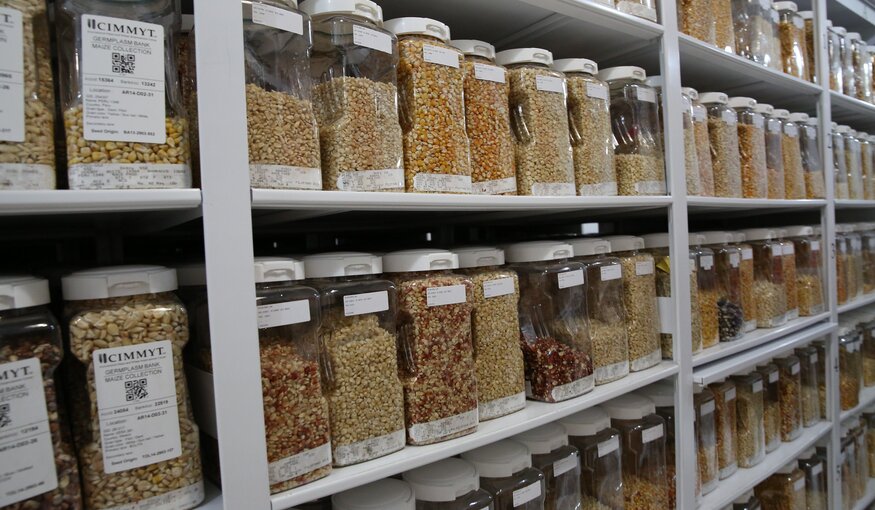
(230,213)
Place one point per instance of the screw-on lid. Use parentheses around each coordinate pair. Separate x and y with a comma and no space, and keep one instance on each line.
(588,422)
(385,494)
(423,26)
(760,234)
(787,468)
(717,237)
(342,263)
(798,231)
(780,113)
(764,108)
(843,129)
(742,102)
(278,269)
(840,30)
(744,498)
(426,259)
(713,97)
(536,251)
(630,406)
(855,36)
(622,73)
(625,243)
(575,65)
(23,292)
(654,81)
(798,117)
(661,393)
(784,6)
(524,55)
(656,240)
(474,47)
(191,275)
(117,281)
(479,256)
(812,121)
(543,439)
(444,480)
(323,8)
(499,459)
(807,14)
(690,92)
(589,246)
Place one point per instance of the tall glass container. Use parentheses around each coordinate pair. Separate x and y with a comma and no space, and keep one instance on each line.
(751,147)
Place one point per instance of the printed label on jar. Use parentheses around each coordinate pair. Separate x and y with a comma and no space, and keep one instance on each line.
(700,113)
(644,267)
(369,180)
(11,75)
(494,187)
(444,183)
(799,485)
(123,80)
(734,259)
(757,387)
(440,55)
(647,95)
(774,376)
(186,497)
(526,494)
(707,408)
(368,302)
(794,369)
(729,117)
(775,17)
(791,130)
(25,175)
(565,465)
(26,451)
(816,469)
(774,126)
(787,249)
(370,38)
(502,406)
(283,314)
(570,279)
(604,189)
(284,177)
(665,306)
(372,448)
(746,253)
(573,389)
(777,250)
(597,91)
(486,72)
(758,120)
(553,189)
(498,287)
(813,358)
(609,446)
(611,272)
(136,405)
(729,395)
(275,17)
(128,175)
(446,295)
(810,131)
(706,262)
(815,245)
(650,187)
(797,21)
(550,84)
(429,431)
(299,464)
(651,434)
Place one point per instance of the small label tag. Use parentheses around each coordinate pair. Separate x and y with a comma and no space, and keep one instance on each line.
(647,95)
(283,314)
(369,180)
(734,259)
(775,17)
(729,395)
(369,302)
(651,434)
(284,177)
(570,278)
(565,465)
(440,55)
(494,187)
(275,17)
(797,21)
(526,494)
(11,78)
(774,376)
(746,253)
(794,369)
(443,183)
(810,131)
(447,295)
(22,176)
(707,408)
(486,72)
(700,113)
(815,245)
(777,251)
(758,120)
(799,485)
(299,464)
(787,249)
(757,387)
(550,84)
(498,287)
(729,117)
(609,446)
(611,272)
(816,469)
(813,358)
(645,267)
(774,126)
(553,189)
(597,91)
(791,130)
(706,262)
(370,38)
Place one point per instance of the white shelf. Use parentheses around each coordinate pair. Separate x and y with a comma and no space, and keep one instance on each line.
(867,498)
(745,479)
(857,303)
(867,398)
(535,414)
(699,205)
(16,203)
(854,204)
(850,110)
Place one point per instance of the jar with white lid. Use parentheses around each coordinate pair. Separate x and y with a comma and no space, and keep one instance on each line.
(854,246)
(357,336)
(808,49)
(858,430)
(601,473)
(554,329)
(771,36)
(820,345)
(353,66)
(747,272)
(589,122)
(788,264)
(607,320)
(113,314)
(539,121)
(834,43)
(751,147)
(867,155)
(495,328)
(506,472)
(662,395)
(867,238)
(869,417)
(791,30)
(559,461)
(385,494)
(691,162)
(723,133)
(846,284)
(849,78)
(850,365)
(725,426)
(436,150)
(751,38)
(437,355)
(708,292)
(771,294)
(794,181)
(487,120)
(784,489)
(809,146)
(449,484)
(774,151)
(704,406)
(727,259)
(862,72)
(809,269)
(790,389)
(771,404)
(853,162)
(747,501)
(815,471)
(751,439)
(638,156)
(641,8)
(809,379)
(702,142)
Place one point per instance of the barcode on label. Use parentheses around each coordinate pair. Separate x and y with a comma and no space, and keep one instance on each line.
(611,445)
(448,295)
(651,434)
(498,287)
(570,278)
(612,272)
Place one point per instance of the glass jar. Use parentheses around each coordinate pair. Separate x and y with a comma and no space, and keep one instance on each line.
(840,164)
(601,482)
(848,461)
(769,288)
(607,321)
(790,389)
(385,494)
(784,489)
(109,313)
(638,156)
(495,331)
(849,77)
(809,270)
(808,20)
(834,43)
(724,32)
(553,324)
(358,336)
(41,471)
(869,417)
(725,426)
(706,434)
(696,18)
(639,297)
(747,501)
(810,379)
(791,29)
(788,264)
(850,366)
(750,443)
(771,405)
(440,390)
(727,259)
(775,60)
(862,72)
(867,239)
(559,461)
(691,163)
(791,152)
(642,8)
(814,468)
(746,271)
(751,147)
(707,293)
(702,142)
(774,151)
(854,245)
(436,157)
(853,162)
(487,120)
(448,484)
(353,66)
(821,382)
(809,145)
(142,141)
(589,122)
(539,119)
(642,440)
(867,330)
(723,134)
(506,472)
(662,395)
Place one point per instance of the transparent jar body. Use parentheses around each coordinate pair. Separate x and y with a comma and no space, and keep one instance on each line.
(696,19)
(748,287)
(809,50)
(842,267)
(791,150)
(850,370)
(862,71)
(810,379)
(729,306)
(790,389)
(862,457)
(854,164)
(811,162)
(870,441)
(475,500)
(752,24)
(643,447)
(642,8)
(750,442)
(691,156)
(783,490)
(769,288)
(665,305)
(840,166)
(774,157)
(788,264)
(601,474)
(752,151)
(706,433)
(854,245)
(668,414)
(791,30)
(809,276)
(834,54)
(821,382)
(561,469)
(868,251)
(642,315)
(816,495)
(589,122)
(849,76)
(607,320)
(751,504)
(703,150)
(707,281)
(867,348)
(695,316)
(775,61)
(726,165)
(503,489)
(848,472)
(771,405)
(724,31)
(867,153)
(725,427)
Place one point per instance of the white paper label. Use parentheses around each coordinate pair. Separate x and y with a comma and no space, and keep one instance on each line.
(609,446)
(440,55)
(651,434)
(186,497)
(787,249)
(815,245)
(498,287)
(700,113)
(526,494)
(707,408)
(810,131)
(597,91)
(799,485)
(791,130)
(757,387)
(686,103)
(570,278)
(26,453)
(128,175)
(136,405)
(794,369)
(370,448)
(550,84)
(797,21)
(553,189)
(758,120)
(275,17)
(283,314)
(646,94)
(25,175)
(774,126)
(299,464)
(816,469)
(644,267)
(368,180)
(729,395)
(494,187)
(443,183)
(746,253)
(11,77)
(665,306)
(611,272)
(775,17)
(734,259)
(370,38)
(774,376)
(284,177)
(368,302)
(603,189)
(486,72)
(429,431)
(706,262)
(446,295)
(572,389)
(501,406)
(813,358)
(729,117)
(565,465)
(777,251)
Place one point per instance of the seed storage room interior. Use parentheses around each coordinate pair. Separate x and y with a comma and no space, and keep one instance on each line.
(437,255)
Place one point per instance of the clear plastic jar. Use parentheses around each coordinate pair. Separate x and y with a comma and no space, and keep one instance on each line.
(849,77)
(850,366)
(853,162)
(642,8)
(639,297)
(706,434)
(707,293)
(101,154)
(662,395)
(41,470)
(487,120)
(751,147)
(638,156)
(449,484)
(691,162)
(607,320)
(771,405)
(866,232)
(750,443)
(811,68)
(775,61)
(834,42)
(725,426)
(723,134)
(702,143)
(867,330)
(752,30)
(601,476)
(848,460)
(436,157)
(788,264)
(358,336)
(809,270)
(727,259)
(539,119)
(774,151)
(843,266)
(506,472)
(724,32)
(440,391)
(110,313)
(784,489)
(554,330)
(495,330)
(809,146)
(791,152)
(854,246)
(810,379)
(867,153)
(696,19)
(790,388)
(748,291)
(840,164)
(589,122)
(869,417)
(385,494)
(359,134)
(769,288)
(862,72)
(791,29)
(747,501)
(821,382)
(560,463)
(859,432)
(814,468)
(642,440)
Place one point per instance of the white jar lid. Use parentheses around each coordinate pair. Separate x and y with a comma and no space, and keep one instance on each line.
(661,393)
(654,81)
(742,102)
(479,256)
(807,14)
(278,269)
(543,439)
(444,480)
(588,422)
(829,23)
(630,406)
(713,97)
(798,231)
(744,498)
(342,263)
(474,47)
(191,275)
(716,237)
(865,226)
(788,468)
(537,251)
(425,259)
(833,125)
(524,55)
(622,73)
(625,243)
(855,36)
(690,93)
(780,113)
(783,6)
(764,108)
(117,281)
(385,494)
(760,234)
(23,291)
(798,117)
(500,459)
(841,128)
(576,65)
(423,26)
(840,30)
(812,121)
(655,240)
(589,246)
(363,8)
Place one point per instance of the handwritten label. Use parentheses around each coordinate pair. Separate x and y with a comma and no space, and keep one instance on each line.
(498,287)
(440,55)
(447,295)
(370,38)
(486,72)
(283,314)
